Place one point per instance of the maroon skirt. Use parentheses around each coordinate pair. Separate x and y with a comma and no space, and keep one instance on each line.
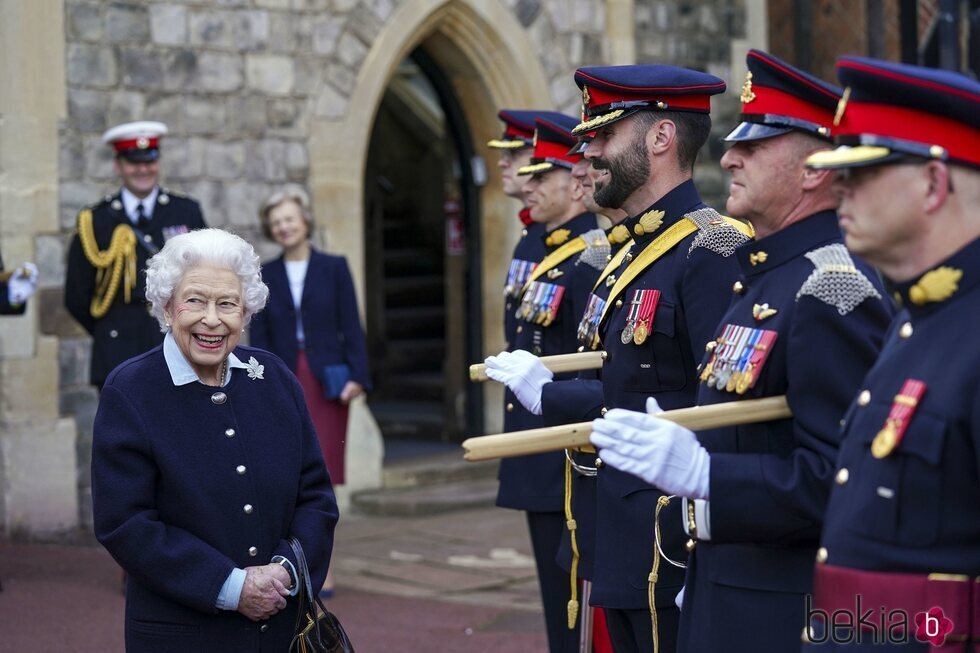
(329,419)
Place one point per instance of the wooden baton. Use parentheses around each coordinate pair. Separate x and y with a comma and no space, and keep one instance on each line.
(571,436)
(587,360)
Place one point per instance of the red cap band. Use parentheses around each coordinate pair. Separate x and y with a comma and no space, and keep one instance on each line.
(550,150)
(775,102)
(141,143)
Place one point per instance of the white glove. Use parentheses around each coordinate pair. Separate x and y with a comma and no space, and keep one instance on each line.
(660,452)
(22,284)
(679,599)
(523,373)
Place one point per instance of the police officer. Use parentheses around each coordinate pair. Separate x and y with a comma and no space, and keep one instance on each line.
(902,530)
(104,282)
(552,302)
(806,321)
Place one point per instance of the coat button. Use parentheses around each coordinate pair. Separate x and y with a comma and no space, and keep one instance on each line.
(147,238)
(509,304)
(598,463)
(523,232)
(604,356)
(864,398)
(263,628)
(219,398)
(520,328)
(230,433)
(619,303)
(842,476)
(240,469)
(252,551)
(510,408)
(905,331)
(738,287)
(822,555)
(247,508)
(113,334)
(689,545)
(603,411)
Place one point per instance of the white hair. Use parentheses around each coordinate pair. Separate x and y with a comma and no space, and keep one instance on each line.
(211,247)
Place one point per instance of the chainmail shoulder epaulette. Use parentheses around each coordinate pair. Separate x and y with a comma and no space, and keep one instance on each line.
(714,233)
(597,249)
(836,280)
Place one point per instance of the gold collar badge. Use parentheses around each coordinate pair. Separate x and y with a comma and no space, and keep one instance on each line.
(747,94)
(557,237)
(648,222)
(619,234)
(755,258)
(935,285)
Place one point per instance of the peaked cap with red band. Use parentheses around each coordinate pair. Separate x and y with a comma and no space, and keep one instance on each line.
(891,111)
(611,93)
(518,128)
(552,140)
(777,98)
(136,141)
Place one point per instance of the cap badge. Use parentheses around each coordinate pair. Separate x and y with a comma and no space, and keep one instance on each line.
(842,106)
(648,222)
(586,98)
(747,94)
(534,141)
(935,285)
(142,142)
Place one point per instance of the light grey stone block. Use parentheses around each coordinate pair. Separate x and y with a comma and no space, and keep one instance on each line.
(84,21)
(87,109)
(204,115)
(265,160)
(290,32)
(218,72)
(167,108)
(211,195)
(224,160)
(342,77)
(49,256)
(126,106)
(180,67)
(246,114)
(168,24)
(185,158)
(127,23)
(73,361)
(326,33)
(141,68)
(71,156)
(72,196)
(242,199)
(330,104)
(362,22)
(270,73)
(289,117)
(297,162)
(351,50)
(91,65)
(98,159)
(273,4)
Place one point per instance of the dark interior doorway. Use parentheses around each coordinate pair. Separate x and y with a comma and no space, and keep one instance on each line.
(423,262)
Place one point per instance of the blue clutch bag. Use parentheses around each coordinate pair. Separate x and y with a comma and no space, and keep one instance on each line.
(335,377)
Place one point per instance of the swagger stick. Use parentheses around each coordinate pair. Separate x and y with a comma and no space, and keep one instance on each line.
(589,360)
(571,436)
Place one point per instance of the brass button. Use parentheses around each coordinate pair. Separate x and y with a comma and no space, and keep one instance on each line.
(520,328)
(252,551)
(864,398)
(690,545)
(629,256)
(619,303)
(603,411)
(842,476)
(240,469)
(822,555)
(510,408)
(905,331)
(710,345)
(738,287)
(598,463)
(247,508)
(604,356)
(608,257)
(219,398)
(230,433)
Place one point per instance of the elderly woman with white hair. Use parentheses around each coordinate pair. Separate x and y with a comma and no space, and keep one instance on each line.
(205,462)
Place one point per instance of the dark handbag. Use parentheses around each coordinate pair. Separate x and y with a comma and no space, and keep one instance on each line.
(317,630)
(335,377)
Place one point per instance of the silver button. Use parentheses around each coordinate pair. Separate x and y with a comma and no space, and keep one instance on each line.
(252,551)
(603,411)
(822,555)
(230,433)
(240,469)
(905,331)
(219,398)
(510,407)
(842,476)
(247,508)
(864,398)
(113,334)
(263,628)
(599,463)
(147,238)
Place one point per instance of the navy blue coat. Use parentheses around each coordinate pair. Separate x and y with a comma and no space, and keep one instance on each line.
(529,249)
(126,330)
(695,284)
(331,322)
(770,482)
(168,498)
(536,483)
(916,510)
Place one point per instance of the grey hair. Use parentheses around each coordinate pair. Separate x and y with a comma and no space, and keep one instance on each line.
(289,193)
(212,247)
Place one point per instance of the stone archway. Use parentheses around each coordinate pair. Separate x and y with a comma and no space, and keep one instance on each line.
(491,63)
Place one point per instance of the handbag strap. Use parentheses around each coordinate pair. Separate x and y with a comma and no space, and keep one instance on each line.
(307,608)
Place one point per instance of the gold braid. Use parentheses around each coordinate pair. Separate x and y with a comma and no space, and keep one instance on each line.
(115,264)
(570,523)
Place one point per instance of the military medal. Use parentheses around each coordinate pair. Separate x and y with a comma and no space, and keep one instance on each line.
(588,328)
(627,336)
(903,408)
(648,307)
(761,346)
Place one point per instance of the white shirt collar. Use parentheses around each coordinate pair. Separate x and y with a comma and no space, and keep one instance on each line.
(181,372)
(130,202)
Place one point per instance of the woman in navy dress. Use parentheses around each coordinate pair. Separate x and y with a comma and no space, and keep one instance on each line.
(312,321)
(205,461)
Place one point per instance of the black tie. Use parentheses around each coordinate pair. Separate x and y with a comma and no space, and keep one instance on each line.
(142,221)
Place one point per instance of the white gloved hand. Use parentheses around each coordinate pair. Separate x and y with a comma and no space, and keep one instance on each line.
(679,599)
(23,283)
(660,452)
(523,373)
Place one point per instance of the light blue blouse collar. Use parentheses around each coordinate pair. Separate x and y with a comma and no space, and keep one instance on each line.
(181,372)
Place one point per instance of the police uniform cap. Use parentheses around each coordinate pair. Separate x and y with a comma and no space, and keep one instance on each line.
(778,98)
(519,128)
(136,141)
(891,111)
(612,93)
(552,140)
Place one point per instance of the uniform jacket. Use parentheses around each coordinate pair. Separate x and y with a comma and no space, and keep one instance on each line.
(126,330)
(917,509)
(331,321)
(529,250)
(769,482)
(173,468)
(536,483)
(695,280)
(5,307)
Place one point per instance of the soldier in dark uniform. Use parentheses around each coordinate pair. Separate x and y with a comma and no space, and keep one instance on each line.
(899,562)
(552,301)
(806,321)
(104,282)
(16,289)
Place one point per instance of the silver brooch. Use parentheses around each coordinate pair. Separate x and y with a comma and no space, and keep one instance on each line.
(255,370)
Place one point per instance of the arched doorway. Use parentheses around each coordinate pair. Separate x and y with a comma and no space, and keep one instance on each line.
(421,209)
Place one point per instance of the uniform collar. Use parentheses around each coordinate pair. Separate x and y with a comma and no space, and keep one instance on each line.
(181,372)
(130,202)
(942,283)
(759,256)
(574,227)
(682,199)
